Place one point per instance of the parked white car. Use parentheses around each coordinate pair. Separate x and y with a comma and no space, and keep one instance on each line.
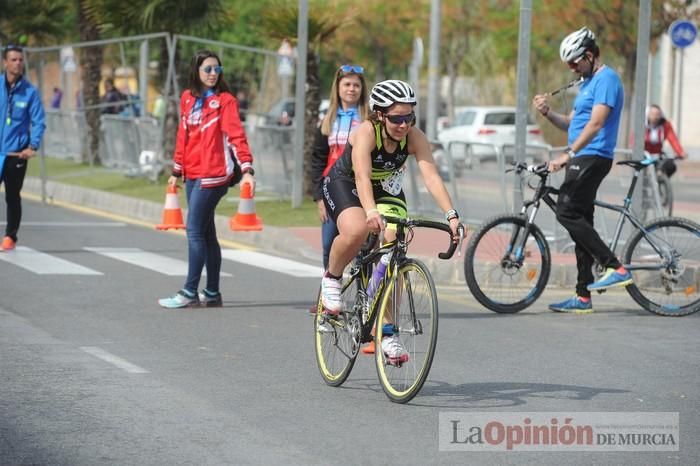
(476,130)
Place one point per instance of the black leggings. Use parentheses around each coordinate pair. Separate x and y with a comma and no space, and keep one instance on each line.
(13,176)
(575,212)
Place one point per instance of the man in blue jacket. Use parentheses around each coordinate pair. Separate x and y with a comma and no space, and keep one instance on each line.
(20,135)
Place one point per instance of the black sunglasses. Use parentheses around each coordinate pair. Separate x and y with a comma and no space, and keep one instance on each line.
(352,69)
(398,119)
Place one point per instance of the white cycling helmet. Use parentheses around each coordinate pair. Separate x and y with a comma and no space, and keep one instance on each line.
(575,44)
(392,91)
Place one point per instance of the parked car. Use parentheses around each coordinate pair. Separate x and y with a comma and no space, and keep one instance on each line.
(476,130)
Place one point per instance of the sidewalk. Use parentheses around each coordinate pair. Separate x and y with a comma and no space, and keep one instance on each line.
(302,244)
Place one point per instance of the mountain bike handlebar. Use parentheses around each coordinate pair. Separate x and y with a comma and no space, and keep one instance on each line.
(541,169)
(454,246)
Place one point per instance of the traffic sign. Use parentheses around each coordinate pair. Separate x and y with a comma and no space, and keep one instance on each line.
(683,33)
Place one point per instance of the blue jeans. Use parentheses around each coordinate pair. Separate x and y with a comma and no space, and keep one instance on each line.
(202,243)
(329,231)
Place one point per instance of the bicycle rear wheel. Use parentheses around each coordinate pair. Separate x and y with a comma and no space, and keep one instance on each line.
(337,338)
(672,290)
(410,303)
(495,276)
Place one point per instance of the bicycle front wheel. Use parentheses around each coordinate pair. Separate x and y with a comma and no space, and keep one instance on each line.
(501,278)
(668,285)
(337,338)
(409,307)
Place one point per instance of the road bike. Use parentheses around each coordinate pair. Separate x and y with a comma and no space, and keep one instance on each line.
(508,260)
(405,303)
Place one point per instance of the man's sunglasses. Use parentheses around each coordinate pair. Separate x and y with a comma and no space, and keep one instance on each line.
(216,69)
(352,69)
(399,119)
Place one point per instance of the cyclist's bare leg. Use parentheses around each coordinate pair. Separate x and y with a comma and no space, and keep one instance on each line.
(352,233)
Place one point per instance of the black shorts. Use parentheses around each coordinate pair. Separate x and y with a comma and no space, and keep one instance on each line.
(339,193)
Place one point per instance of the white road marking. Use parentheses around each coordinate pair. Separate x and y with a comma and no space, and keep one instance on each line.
(276,264)
(147,260)
(106,356)
(44,264)
(71,224)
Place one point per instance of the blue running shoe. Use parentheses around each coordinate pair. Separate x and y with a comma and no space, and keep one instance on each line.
(611,279)
(573,305)
(181,299)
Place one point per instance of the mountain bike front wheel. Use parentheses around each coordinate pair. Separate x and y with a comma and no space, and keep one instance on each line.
(501,276)
(669,258)
(408,327)
(337,338)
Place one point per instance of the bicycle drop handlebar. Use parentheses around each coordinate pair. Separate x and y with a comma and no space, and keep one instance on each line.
(409,223)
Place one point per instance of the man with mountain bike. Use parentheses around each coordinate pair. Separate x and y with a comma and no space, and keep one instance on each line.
(592,128)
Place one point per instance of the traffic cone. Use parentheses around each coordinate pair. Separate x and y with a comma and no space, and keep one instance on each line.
(172,214)
(245,219)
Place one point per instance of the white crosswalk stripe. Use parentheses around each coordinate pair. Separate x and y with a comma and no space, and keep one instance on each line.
(44,264)
(147,260)
(276,264)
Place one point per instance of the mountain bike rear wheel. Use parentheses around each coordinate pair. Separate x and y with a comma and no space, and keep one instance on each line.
(410,303)
(337,338)
(497,278)
(672,290)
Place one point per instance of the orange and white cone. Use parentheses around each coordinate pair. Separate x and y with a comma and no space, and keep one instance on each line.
(246,219)
(172,214)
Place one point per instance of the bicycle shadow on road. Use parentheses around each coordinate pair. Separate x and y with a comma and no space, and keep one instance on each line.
(501,394)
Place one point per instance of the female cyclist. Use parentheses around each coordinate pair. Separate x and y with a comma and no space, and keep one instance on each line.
(366,183)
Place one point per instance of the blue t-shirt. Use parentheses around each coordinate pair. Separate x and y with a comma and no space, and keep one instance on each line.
(605,88)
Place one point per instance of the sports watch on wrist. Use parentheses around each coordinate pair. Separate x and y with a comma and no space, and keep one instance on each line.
(570,152)
(250,171)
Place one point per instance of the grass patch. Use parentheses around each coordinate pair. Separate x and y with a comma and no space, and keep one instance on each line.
(272,212)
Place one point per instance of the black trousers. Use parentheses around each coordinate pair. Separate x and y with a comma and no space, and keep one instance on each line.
(13,174)
(575,212)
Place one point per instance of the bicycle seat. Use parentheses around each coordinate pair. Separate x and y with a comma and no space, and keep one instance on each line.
(639,164)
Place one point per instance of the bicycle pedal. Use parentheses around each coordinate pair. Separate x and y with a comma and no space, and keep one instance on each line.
(601,291)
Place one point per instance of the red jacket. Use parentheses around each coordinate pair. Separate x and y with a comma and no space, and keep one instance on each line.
(207,140)
(665,133)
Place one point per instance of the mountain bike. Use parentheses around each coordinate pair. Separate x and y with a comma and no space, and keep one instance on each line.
(405,304)
(508,260)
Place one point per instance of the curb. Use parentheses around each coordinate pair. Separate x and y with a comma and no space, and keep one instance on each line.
(270,239)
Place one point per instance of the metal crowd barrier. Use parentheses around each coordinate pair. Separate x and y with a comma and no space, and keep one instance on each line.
(65,134)
(131,145)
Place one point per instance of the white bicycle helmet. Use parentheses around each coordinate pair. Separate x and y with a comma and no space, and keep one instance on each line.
(575,44)
(392,91)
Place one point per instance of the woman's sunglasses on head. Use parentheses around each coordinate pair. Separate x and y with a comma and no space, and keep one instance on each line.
(352,69)
(216,69)
(399,119)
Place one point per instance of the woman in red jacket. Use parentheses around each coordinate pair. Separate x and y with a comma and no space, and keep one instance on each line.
(659,129)
(209,137)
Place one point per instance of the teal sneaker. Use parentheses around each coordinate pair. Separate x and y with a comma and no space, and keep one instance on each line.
(181,299)
(611,279)
(573,305)
(210,299)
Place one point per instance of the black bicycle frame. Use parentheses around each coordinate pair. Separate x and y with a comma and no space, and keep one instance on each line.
(544,192)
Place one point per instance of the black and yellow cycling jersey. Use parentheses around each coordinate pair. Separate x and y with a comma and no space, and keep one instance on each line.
(340,191)
(384,164)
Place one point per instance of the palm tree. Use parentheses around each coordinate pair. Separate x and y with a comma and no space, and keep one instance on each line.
(280,22)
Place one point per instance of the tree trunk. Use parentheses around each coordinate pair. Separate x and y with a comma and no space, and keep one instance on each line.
(92,74)
(313,100)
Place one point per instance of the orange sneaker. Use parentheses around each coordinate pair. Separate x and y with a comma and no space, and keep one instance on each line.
(8,243)
(368,348)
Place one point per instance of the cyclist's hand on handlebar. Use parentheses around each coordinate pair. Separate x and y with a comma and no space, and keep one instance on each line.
(558,163)
(459,231)
(375,222)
